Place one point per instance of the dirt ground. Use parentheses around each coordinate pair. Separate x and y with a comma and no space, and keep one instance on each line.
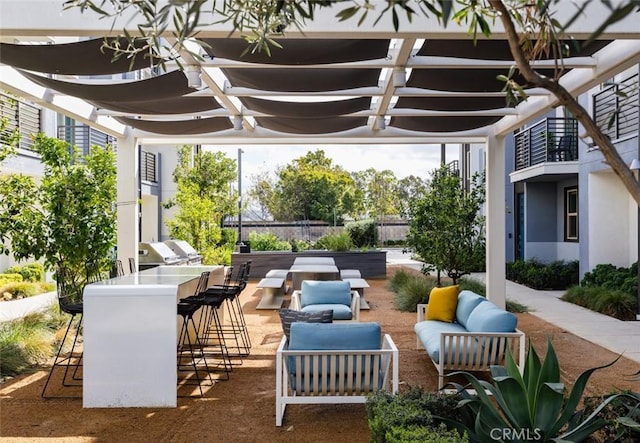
(242,409)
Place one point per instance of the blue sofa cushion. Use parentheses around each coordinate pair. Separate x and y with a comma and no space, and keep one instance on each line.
(467,302)
(487,317)
(325,292)
(340,312)
(335,336)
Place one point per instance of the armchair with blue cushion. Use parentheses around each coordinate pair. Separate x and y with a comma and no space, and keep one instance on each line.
(315,296)
(334,363)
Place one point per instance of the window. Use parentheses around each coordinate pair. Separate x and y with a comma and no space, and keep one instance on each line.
(571,214)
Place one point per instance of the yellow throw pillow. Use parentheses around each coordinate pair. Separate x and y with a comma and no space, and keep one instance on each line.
(443,303)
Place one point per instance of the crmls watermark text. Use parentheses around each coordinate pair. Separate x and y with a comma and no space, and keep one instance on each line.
(508,434)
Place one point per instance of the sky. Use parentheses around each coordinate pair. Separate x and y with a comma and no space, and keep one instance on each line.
(403,160)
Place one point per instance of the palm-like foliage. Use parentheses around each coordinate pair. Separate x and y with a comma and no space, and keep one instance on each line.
(531,406)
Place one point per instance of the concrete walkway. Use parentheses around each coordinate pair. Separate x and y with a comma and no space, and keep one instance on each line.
(616,335)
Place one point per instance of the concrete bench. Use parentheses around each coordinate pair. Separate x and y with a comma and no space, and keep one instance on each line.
(359,284)
(350,273)
(277,273)
(273,290)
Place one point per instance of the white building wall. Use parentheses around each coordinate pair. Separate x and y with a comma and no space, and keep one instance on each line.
(610,226)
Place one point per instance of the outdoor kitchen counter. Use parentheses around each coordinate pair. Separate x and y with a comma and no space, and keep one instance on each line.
(130,336)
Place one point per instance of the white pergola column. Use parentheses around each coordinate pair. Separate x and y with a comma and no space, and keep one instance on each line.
(128,212)
(496,225)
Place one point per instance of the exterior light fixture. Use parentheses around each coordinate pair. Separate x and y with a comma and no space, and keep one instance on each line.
(635,165)
(380,123)
(237,122)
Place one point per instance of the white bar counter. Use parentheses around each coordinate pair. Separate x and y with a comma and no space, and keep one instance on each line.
(130,336)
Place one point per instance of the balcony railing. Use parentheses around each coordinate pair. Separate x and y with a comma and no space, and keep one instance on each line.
(20,116)
(616,108)
(84,137)
(549,140)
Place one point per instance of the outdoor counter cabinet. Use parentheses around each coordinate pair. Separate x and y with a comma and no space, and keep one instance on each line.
(130,336)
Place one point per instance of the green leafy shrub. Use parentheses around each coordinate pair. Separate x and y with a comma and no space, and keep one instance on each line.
(614,303)
(390,415)
(267,242)
(18,290)
(411,289)
(335,241)
(32,272)
(415,290)
(470,284)
(533,405)
(10,278)
(299,245)
(535,274)
(414,434)
(363,233)
(611,277)
(25,343)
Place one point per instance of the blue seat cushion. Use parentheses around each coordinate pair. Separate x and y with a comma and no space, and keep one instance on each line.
(340,312)
(487,317)
(428,332)
(314,292)
(467,302)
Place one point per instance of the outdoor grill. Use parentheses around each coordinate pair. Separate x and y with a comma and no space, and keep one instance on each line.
(184,250)
(156,254)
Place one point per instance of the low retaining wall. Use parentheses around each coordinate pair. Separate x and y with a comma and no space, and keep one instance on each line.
(12,309)
(372,264)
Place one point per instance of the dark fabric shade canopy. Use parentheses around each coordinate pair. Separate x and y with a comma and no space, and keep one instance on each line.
(451,103)
(309,68)
(80,58)
(302,79)
(171,105)
(168,85)
(442,124)
(311,125)
(499,49)
(307,109)
(300,51)
(179,127)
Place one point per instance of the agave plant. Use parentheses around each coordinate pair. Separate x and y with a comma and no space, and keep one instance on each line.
(530,406)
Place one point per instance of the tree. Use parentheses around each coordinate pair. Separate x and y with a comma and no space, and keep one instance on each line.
(446,228)
(530,26)
(312,188)
(378,189)
(262,192)
(69,219)
(408,189)
(203,198)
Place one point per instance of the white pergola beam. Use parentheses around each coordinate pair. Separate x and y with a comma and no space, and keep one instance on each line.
(51,20)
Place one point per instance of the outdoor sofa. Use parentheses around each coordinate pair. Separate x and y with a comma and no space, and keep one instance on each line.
(470,334)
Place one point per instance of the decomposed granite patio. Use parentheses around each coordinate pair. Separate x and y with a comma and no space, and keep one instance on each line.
(242,409)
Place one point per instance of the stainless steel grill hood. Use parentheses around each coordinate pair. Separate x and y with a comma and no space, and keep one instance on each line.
(155,254)
(184,250)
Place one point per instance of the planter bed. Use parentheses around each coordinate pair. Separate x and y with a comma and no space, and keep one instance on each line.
(372,264)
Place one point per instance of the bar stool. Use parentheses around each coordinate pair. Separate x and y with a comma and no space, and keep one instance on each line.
(189,342)
(69,304)
(236,328)
(210,328)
